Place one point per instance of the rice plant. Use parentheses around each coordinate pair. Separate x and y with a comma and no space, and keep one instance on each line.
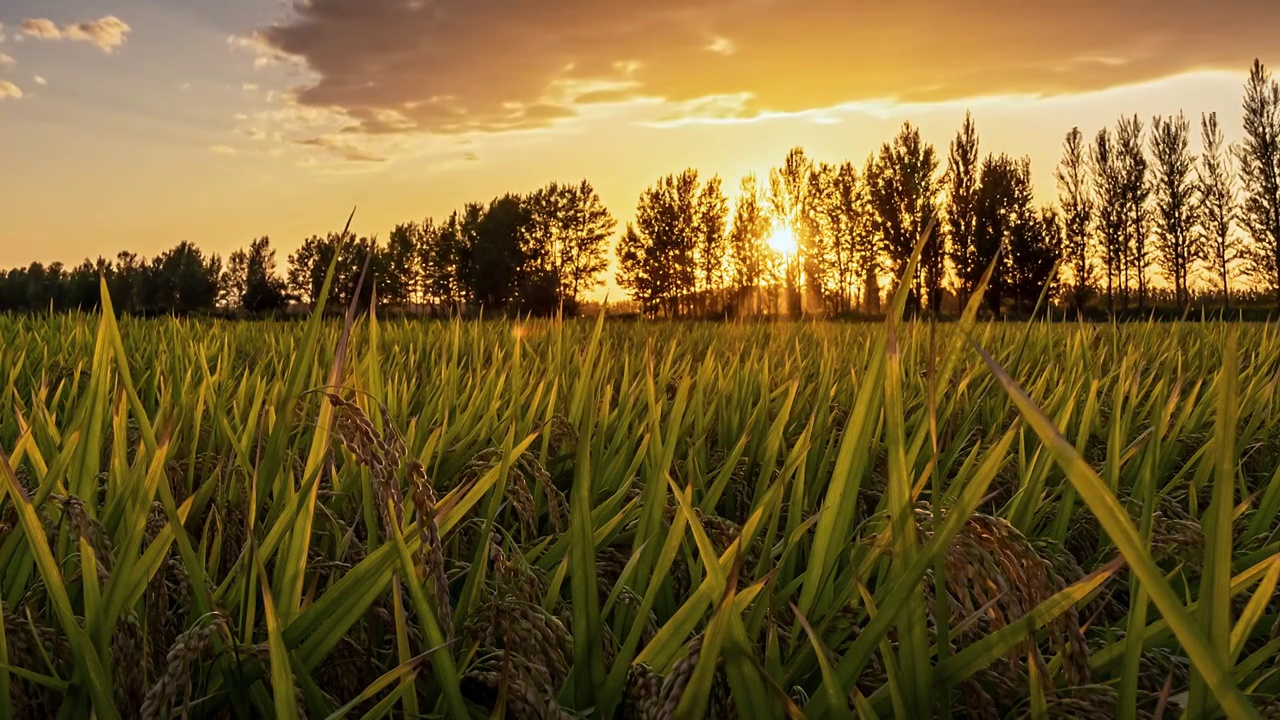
(555,519)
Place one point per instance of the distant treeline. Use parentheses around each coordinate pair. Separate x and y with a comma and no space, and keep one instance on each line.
(1135,204)
(535,253)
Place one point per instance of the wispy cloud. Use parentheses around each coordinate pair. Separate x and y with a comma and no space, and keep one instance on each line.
(107,33)
(42,28)
(264,53)
(722,46)
(9,90)
(345,149)
(39,80)
(7,60)
(223,150)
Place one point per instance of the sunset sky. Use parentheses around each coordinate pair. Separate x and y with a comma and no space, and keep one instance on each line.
(138,123)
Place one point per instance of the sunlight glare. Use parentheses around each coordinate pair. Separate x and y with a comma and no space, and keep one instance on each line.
(783,241)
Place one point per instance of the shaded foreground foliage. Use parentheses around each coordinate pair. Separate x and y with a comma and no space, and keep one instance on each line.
(640,520)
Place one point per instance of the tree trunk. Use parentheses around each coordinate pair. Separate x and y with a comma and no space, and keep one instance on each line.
(1226,293)
(871,291)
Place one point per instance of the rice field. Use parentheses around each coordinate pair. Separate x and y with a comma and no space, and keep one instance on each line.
(646,520)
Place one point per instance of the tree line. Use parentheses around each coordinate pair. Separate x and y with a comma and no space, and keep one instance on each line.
(536,253)
(1134,203)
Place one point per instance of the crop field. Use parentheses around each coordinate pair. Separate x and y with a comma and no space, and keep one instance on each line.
(594,518)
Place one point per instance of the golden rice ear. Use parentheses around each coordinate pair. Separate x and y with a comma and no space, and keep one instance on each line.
(430,554)
(174,684)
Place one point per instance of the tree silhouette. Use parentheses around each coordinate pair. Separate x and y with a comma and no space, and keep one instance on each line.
(1259,161)
(125,283)
(308,266)
(961,210)
(568,238)
(1137,191)
(83,291)
(402,279)
(790,203)
(1216,206)
(1002,208)
(903,189)
(842,216)
(1177,245)
(1113,219)
(250,280)
(747,251)
(1076,198)
(440,253)
(821,254)
(1035,247)
(871,241)
(496,253)
(184,281)
(656,255)
(711,245)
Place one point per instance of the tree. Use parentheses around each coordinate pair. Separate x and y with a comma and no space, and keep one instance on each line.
(903,190)
(184,281)
(1216,206)
(568,238)
(250,280)
(656,254)
(843,218)
(961,211)
(711,243)
(747,234)
(1113,220)
(1076,200)
(1177,245)
(790,187)
(83,291)
(264,288)
(1001,208)
(439,254)
(308,266)
(1137,191)
(497,256)
(401,278)
(1035,247)
(1259,160)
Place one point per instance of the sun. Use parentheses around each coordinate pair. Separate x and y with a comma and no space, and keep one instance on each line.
(783,241)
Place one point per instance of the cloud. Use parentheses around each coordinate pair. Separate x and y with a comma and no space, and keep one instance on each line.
(7,60)
(459,66)
(42,28)
(39,80)
(249,87)
(223,150)
(9,90)
(722,46)
(342,148)
(107,33)
(264,53)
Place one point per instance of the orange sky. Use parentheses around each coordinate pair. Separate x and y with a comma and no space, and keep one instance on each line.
(138,123)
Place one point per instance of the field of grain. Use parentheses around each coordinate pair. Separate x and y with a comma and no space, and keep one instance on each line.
(645,520)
